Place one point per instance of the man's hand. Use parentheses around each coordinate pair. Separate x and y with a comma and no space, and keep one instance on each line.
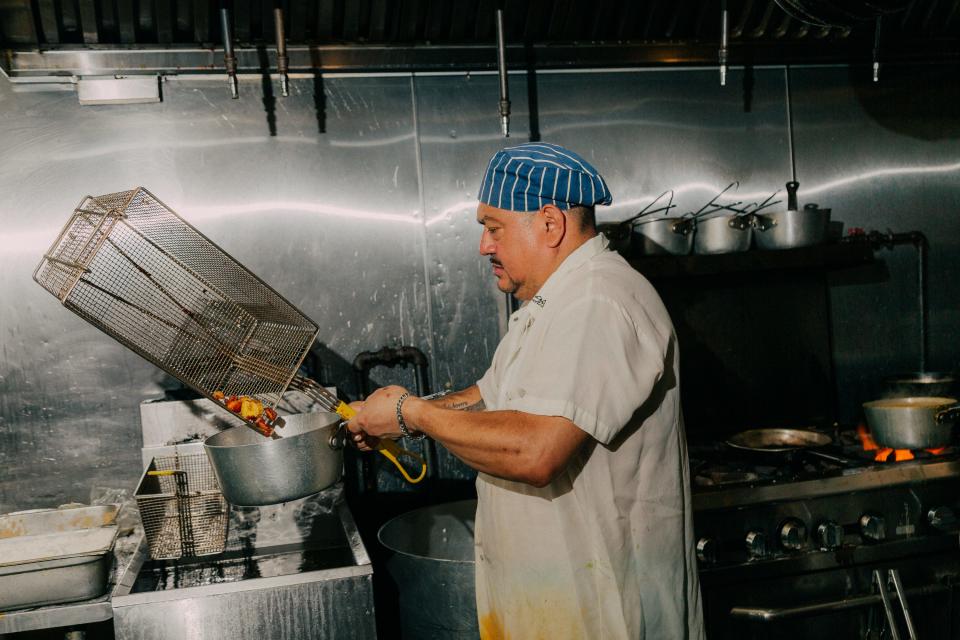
(361,440)
(376,418)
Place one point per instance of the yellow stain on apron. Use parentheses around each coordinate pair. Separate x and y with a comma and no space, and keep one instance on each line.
(491,628)
(548,623)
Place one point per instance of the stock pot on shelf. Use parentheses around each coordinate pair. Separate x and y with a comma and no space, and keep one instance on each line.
(660,236)
(793,227)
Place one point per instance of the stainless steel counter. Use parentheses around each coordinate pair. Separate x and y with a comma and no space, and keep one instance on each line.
(297,570)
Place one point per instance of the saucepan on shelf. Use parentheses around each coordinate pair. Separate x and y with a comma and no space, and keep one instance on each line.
(723,233)
(620,234)
(793,227)
(674,235)
(728,229)
(664,236)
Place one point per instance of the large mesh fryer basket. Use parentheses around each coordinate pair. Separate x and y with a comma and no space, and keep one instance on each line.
(132,267)
(129,265)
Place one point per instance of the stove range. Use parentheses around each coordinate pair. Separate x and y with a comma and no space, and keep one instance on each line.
(817,541)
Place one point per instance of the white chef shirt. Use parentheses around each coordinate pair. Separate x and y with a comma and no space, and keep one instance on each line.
(605,550)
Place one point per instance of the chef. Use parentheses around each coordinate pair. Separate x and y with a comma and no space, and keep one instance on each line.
(584,526)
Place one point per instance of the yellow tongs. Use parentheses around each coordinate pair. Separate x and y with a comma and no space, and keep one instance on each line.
(390,449)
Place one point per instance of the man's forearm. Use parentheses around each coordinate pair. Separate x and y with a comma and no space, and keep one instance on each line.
(508,444)
(468,399)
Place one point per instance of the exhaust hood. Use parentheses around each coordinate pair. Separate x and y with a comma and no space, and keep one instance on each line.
(124,37)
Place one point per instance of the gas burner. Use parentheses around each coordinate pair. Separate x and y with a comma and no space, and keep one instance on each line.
(860,444)
(716,465)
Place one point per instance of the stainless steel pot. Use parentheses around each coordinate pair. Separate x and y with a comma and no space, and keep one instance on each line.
(723,234)
(255,471)
(921,383)
(664,236)
(618,234)
(433,563)
(793,227)
(912,423)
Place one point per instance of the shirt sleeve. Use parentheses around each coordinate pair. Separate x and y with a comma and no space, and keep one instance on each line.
(595,365)
(487,385)
(489,382)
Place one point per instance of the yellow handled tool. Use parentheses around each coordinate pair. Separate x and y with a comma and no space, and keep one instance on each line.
(390,449)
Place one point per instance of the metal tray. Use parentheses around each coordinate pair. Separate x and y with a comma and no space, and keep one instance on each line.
(55,555)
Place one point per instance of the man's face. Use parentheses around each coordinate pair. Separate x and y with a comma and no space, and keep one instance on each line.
(510,241)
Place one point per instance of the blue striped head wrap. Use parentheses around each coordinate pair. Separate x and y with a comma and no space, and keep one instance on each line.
(534,174)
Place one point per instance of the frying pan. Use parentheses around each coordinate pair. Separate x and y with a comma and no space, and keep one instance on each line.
(777,440)
(782,443)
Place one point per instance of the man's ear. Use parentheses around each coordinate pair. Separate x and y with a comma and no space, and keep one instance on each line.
(555,224)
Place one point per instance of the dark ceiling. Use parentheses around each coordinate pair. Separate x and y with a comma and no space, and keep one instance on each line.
(602,32)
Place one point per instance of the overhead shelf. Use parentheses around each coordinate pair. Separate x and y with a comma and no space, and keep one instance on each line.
(823,257)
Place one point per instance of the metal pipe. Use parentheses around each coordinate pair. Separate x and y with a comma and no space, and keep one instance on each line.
(921,244)
(775,614)
(723,43)
(876,51)
(283,62)
(229,59)
(502,68)
(793,158)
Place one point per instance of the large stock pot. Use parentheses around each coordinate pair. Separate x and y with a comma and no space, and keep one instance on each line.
(912,423)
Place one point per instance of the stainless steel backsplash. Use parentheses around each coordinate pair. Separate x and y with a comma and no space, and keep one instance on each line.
(354,197)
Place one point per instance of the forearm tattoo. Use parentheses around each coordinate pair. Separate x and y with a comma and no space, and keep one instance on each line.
(465,406)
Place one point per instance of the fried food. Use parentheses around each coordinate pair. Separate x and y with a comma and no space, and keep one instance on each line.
(249,409)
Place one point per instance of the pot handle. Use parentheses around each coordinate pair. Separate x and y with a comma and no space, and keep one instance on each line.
(683,227)
(763,222)
(792,195)
(390,449)
(948,413)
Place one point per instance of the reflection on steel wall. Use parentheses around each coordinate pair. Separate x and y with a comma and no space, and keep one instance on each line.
(360,210)
(885,156)
(327,211)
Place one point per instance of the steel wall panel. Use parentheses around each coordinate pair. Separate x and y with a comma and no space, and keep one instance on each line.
(885,156)
(331,220)
(330,212)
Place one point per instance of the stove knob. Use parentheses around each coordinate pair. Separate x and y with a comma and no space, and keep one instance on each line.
(830,535)
(873,528)
(707,550)
(756,544)
(942,518)
(793,534)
